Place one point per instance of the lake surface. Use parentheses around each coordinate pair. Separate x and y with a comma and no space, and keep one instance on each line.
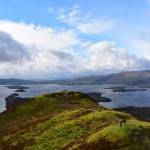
(3,93)
(119,99)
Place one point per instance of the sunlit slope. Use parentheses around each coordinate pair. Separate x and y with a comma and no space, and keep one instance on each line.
(70,121)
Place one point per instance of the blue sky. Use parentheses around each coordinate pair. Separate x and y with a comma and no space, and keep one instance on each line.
(88,36)
(36,10)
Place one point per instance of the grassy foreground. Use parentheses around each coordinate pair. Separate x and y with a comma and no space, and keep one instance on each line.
(70,121)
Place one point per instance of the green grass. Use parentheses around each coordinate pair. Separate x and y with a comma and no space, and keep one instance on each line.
(69,120)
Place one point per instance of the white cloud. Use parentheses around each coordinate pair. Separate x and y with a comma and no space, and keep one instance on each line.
(59,52)
(142,48)
(95,27)
(39,36)
(139,42)
(72,16)
(51,49)
(85,22)
(11,50)
(106,55)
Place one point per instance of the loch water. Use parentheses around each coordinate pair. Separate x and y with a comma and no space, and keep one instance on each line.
(119,99)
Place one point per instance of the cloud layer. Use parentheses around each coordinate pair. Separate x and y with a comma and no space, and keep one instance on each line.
(34,51)
(11,51)
(106,55)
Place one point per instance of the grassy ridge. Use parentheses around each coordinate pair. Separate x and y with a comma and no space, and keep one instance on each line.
(69,121)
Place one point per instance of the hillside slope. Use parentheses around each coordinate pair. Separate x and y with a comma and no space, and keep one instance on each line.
(70,121)
(135,78)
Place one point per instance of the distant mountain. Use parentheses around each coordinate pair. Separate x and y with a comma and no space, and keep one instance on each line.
(13,81)
(135,78)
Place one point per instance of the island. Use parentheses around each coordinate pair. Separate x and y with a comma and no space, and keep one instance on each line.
(126,89)
(19,88)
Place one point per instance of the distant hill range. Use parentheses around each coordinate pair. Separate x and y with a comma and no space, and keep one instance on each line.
(135,78)
(13,81)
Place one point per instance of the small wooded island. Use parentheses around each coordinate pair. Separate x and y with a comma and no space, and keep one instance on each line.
(126,89)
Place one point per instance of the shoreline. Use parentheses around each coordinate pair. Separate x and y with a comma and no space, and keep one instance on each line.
(13,100)
(141,113)
(98,97)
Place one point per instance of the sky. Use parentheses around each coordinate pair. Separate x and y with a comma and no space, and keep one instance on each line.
(69,38)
